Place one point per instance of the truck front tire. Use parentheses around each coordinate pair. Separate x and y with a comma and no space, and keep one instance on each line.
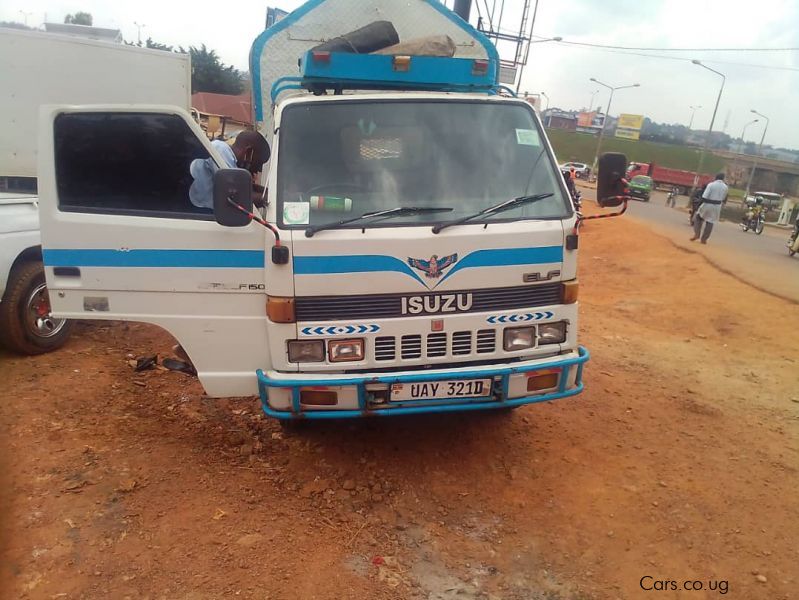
(26,325)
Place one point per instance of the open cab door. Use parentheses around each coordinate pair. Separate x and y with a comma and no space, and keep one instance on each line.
(122,240)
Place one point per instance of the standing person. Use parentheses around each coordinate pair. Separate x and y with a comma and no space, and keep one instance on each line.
(249,151)
(709,211)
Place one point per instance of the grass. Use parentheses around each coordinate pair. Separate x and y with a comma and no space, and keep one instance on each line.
(572,146)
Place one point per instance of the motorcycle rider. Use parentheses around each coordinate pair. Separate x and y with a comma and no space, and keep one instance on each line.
(671,200)
(793,241)
(753,211)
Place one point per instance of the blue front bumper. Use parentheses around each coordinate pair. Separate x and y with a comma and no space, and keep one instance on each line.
(365,408)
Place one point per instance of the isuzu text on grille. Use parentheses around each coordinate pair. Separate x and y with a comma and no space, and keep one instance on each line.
(415,305)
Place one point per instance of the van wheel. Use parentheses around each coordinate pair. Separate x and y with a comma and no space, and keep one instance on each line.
(26,323)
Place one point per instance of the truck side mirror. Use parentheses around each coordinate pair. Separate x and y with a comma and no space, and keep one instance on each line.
(610,186)
(235,185)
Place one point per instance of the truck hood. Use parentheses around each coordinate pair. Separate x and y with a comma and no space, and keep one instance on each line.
(413,260)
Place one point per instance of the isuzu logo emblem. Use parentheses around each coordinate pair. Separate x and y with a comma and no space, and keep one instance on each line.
(439,303)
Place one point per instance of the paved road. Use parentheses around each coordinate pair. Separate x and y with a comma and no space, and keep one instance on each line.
(761,260)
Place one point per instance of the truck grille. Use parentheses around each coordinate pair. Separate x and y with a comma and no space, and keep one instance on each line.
(436,345)
(376,306)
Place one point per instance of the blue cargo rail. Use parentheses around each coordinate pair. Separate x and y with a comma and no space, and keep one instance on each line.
(421,406)
(338,71)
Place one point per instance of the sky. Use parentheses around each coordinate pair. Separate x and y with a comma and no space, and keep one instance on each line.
(668,87)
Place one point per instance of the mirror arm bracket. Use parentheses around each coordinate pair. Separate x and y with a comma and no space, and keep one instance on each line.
(280,253)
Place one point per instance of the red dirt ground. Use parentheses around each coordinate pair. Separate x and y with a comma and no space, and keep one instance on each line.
(679,462)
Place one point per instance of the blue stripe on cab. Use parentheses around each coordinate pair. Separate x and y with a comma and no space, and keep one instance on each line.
(354,263)
(199,259)
(508,257)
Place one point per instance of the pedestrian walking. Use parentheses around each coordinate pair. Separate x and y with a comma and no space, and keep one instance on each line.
(709,212)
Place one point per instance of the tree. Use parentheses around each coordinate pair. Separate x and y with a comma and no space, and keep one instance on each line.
(79,18)
(14,25)
(210,74)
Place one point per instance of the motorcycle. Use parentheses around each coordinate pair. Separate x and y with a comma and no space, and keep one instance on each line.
(793,241)
(696,200)
(671,199)
(755,219)
(577,200)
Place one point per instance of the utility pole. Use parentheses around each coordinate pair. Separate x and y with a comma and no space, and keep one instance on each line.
(710,129)
(607,116)
(759,151)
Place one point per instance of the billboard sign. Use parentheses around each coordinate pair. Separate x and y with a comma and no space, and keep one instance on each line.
(628,134)
(630,121)
(629,126)
(507,74)
(590,119)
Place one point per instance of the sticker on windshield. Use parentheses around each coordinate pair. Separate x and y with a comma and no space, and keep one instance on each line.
(296,213)
(527,137)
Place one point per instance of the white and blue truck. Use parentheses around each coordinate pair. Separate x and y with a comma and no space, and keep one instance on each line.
(421,248)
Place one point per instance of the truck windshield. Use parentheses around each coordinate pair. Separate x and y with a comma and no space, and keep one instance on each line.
(344,158)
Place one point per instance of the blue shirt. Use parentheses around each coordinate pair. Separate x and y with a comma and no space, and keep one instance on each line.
(201,192)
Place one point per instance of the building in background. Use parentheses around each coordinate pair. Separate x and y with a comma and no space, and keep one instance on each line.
(556,118)
(222,115)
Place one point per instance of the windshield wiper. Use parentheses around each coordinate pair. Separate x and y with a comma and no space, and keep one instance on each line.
(399,211)
(497,208)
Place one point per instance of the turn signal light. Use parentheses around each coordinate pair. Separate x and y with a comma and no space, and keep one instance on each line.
(321,56)
(542,380)
(571,290)
(402,63)
(280,310)
(318,398)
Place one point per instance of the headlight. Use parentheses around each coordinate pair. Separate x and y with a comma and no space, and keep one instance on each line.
(345,350)
(518,338)
(552,333)
(301,351)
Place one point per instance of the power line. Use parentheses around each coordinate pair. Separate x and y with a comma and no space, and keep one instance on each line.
(683,59)
(612,47)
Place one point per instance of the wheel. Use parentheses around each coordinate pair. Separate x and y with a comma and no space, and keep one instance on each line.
(759,227)
(26,323)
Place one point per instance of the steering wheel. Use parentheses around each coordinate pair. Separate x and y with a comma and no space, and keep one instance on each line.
(338,186)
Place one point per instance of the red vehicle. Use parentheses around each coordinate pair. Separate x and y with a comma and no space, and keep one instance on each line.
(663,176)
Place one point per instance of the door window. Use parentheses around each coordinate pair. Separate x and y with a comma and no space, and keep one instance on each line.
(126,163)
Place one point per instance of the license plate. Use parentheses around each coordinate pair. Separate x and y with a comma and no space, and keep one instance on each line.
(441,390)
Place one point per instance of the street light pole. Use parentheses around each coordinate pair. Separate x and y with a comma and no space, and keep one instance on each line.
(759,150)
(743,133)
(591,104)
(710,129)
(544,94)
(607,116)
(139,27)
(734,168)
(693,110)
(521,68)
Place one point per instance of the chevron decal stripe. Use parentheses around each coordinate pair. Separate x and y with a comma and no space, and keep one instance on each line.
(339,329)
(522,318)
